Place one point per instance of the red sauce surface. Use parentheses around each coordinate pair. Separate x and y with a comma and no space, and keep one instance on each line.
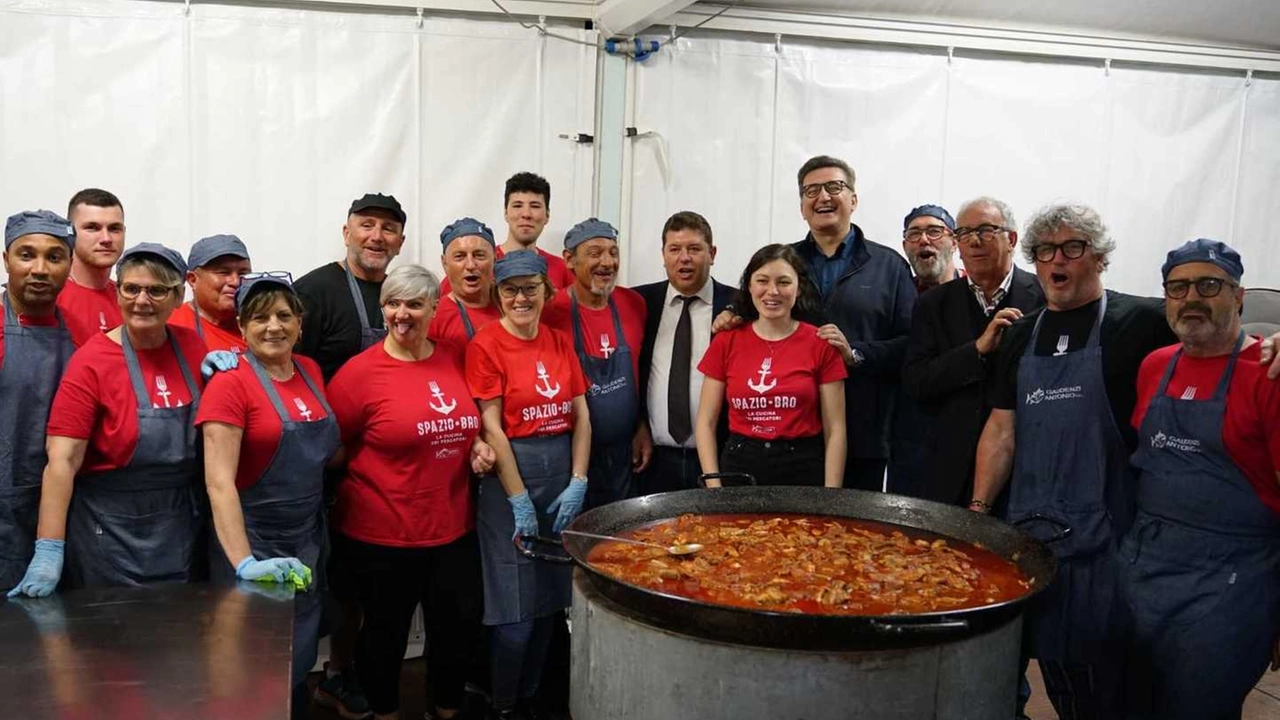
(812,564)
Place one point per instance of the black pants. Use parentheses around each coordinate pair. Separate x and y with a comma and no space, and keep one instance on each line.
(1086,692)
(390,583)
(798,461)
(672,468)
(865,473)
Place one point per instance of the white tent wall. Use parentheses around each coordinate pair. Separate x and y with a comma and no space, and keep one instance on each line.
(267,122)
(1164,155)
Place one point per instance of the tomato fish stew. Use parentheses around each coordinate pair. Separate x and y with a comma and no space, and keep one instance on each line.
(811,564)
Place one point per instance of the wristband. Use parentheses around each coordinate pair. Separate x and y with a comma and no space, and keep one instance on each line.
(980,504)
(573,477)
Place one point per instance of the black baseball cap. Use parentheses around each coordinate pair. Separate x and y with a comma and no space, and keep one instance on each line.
(379,201)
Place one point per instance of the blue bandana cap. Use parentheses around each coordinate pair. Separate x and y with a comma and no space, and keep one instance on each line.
(589,229)
(1206,251)
(519,264)
(465,227)
(168,256)
(38,222)
(934,211)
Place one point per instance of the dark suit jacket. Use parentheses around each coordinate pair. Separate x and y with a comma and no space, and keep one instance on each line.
(941,419)
(654,294)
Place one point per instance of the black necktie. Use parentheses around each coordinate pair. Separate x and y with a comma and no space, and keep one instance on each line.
(678,420)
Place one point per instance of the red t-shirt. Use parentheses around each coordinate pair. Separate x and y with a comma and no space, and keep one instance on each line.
(598,336)
(771,388)
(215,336)
(1251,428)
(537,379)
(559,273)
(25,321)
(237,398)
(95,401)
(447,324)
(408,428)
(89,312)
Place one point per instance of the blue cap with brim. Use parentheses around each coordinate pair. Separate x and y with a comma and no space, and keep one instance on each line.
(38,222)
(1205,250)
(589,229)
(206,250)
(257,282)
(933,211)
(465,227)
(519,264)
(168,256)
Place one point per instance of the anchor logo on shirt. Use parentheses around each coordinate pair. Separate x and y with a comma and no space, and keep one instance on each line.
(545,389)
(764,386)
(444,408)
(303,410)
(162,389)
(604,345)
(102,321)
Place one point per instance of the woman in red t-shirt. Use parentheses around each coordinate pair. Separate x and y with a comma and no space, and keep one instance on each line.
(404,515)
(783,384)
(122,492)
(268,433)
(532,401)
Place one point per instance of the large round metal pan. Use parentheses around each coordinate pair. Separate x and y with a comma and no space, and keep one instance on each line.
(801,631)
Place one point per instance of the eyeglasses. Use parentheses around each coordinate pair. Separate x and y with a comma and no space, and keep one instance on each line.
(833,188)
(984,233)
(284,275)
(1071,250)
(933,232)
(130,291)
(510,291)
(1206,287)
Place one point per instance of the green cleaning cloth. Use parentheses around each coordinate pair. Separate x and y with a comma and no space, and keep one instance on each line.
(299,582)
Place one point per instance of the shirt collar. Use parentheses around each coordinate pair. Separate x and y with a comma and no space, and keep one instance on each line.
(843,251)
(705,294)
(997,296)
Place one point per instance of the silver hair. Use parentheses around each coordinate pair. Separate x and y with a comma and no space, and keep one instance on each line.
(1081,219)
(408,282)
(162,271)
(1006,212)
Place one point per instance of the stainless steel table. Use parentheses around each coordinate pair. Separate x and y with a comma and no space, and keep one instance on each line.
(194,652)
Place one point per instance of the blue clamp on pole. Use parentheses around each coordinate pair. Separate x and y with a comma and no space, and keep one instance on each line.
(611,46)
(642,52)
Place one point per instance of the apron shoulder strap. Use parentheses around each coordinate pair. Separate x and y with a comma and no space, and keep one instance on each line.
(576,324)
(466,319)
(268,386)
(356,297)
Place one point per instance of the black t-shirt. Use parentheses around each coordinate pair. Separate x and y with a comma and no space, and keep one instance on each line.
(330,325)
(1131,329)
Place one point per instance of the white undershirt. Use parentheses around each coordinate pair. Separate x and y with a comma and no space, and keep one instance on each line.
(660,365)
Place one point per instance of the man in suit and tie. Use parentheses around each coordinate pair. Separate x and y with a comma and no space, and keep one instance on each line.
(677,333)
(955,328)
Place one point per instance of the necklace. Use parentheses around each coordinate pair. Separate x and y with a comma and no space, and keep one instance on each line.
(774,345)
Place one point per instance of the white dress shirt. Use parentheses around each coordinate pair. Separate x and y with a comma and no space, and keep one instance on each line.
(660,365)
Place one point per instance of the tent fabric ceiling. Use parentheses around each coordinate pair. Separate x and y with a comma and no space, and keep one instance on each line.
(1235,23)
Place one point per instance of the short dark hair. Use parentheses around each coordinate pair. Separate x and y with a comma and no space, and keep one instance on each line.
(262,300)
(824,161)
(687,220)
(527,182)
(95,197)
(806,307)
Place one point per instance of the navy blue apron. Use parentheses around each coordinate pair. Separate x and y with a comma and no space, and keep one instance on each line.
(517,588)
(466,319)
(614,405)
(284,511)
(1071,487)
(368,335)
(34,360)
(140,524)
(1201,567)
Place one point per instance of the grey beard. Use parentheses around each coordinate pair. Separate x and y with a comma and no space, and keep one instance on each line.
(930,270)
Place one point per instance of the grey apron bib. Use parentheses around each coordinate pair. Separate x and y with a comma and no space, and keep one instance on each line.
(368,335)
(140,524)
(1071,487)
(614,405)
(1201,566)
(517,588)
(284,510)
(34,360)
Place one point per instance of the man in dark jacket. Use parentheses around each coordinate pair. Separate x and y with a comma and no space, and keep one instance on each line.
(867,294)
(954,329)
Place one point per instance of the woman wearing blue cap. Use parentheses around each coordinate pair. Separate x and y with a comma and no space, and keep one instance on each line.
(531,390)
(122,444)
(268,432)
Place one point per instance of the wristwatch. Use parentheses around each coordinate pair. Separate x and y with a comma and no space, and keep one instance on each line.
(855,357)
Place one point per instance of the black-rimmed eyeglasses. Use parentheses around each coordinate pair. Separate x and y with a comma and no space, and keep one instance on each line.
(1206,287)
(833,188)
(984,233)
(1071,250)
(131,291)
(933,232)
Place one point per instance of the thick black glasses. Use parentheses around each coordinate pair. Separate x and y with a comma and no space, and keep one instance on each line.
(833,188)
(1206,287)
(1071,250)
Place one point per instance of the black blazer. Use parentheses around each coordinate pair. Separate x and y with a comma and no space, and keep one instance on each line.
(944,411)
(654,294)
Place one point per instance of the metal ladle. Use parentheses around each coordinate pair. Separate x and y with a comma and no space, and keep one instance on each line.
(681,549)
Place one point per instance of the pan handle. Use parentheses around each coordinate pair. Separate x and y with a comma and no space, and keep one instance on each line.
(1041,517)
(519,542)
(748,477)
(942,627)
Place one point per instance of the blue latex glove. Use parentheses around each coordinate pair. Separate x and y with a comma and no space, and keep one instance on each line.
(44,572)
(526,515)
(568,504)
(218,361)
(275,568)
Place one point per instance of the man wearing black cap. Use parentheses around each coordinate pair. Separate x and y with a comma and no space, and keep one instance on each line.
(214,267)
(1201,564)
(929,242)
(34,349)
